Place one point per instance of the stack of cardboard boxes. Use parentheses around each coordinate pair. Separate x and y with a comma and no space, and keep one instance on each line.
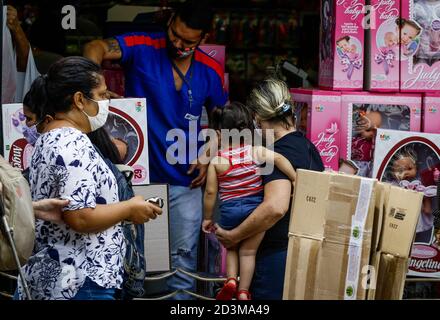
(349,238)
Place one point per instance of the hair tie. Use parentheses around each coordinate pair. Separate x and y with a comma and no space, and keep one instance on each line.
(284,107)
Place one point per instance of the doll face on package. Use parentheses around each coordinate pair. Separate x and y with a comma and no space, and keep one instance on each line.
(426,14)
(413,167)
(367,118)
(349,50)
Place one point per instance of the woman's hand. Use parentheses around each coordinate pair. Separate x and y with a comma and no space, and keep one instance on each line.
(226,237)
(50,210)
(142,211)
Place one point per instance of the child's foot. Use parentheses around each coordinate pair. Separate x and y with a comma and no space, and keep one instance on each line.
(228,291)
(243,295)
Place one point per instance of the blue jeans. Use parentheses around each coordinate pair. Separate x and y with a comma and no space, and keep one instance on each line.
(268,280)
(91,291)
(185,225)
(235,211)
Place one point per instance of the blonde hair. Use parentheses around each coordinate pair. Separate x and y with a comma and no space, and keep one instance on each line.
(271,99)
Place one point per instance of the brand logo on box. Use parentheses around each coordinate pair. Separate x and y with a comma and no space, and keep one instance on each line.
(319,108)
(384,137)
(416,110)
(423,252)
(424,259)
(139,106)
(432,110)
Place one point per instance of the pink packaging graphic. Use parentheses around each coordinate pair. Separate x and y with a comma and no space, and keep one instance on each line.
(412,161)
(420,46)
(341,52)
(382,47)
(215,51)
(431,113)
(363,113)
(318,117)
(17,151)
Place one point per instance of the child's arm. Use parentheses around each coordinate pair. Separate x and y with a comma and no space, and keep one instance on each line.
(263,155)
(210,197)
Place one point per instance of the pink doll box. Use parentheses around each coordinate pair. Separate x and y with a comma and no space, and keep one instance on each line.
(318,116)
(412,160)
(217,52)
(431,113)
(420,46)
(363,112)
(16,150)
(341,52)
(382,47)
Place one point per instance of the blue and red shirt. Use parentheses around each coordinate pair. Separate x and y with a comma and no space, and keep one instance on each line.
(149,73)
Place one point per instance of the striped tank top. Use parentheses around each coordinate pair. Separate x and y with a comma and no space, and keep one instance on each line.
(243,178)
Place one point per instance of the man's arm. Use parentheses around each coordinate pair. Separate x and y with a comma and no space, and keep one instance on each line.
(270,211)
(22,45)
(99,50)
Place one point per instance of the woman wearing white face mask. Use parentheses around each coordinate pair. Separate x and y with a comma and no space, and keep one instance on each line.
(81,259)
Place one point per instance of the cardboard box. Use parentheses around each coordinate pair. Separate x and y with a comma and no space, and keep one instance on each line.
(128,122)
(409,160)
(341,51)
(382,47)
(329,236)
(391,275)
(157,232)
(431,113)
(364,112)
(318,117)
(401,214)
(397,212)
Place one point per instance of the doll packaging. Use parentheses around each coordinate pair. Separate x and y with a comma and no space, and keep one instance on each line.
(341,51)
(382,47)
(318,115)
(420,46)
(217,52)
(431,113)
(363,113)
(17,151)
(411,161)
(127,125)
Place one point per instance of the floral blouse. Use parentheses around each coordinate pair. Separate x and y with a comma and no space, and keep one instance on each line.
(65,165)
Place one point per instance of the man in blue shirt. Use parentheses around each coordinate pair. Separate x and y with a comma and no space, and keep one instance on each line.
(177,79)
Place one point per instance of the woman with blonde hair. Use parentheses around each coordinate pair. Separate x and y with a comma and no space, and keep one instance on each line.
(273,109)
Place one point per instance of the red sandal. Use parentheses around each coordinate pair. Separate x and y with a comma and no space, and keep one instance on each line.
(228,291)
(245,292)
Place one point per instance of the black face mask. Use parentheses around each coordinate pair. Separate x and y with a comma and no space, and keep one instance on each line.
(177,53)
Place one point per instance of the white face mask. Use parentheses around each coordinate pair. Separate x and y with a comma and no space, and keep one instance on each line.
(100,119)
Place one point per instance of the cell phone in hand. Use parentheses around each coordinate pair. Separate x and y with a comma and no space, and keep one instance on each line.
(156,201)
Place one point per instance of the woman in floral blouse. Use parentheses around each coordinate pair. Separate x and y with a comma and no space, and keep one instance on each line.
(81,258)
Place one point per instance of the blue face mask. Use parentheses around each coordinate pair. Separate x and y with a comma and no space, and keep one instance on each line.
(31,134)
